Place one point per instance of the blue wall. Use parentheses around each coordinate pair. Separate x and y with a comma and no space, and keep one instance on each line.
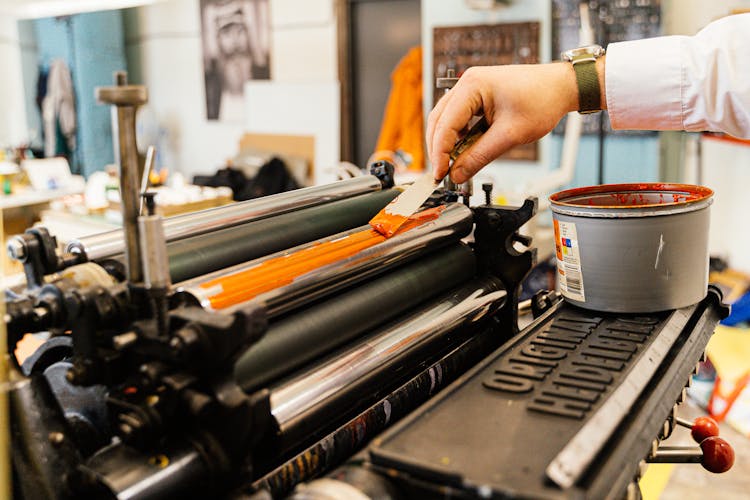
(93,46)
(626,159)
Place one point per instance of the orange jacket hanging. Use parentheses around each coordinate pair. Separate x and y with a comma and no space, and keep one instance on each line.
(402,128)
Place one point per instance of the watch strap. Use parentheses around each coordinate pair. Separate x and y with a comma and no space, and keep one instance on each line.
(589,93)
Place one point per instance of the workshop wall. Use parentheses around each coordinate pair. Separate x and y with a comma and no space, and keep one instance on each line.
(13,124)
(163,48)
(30,70)
(92,46)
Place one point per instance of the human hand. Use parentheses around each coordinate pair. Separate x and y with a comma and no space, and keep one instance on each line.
(521,104)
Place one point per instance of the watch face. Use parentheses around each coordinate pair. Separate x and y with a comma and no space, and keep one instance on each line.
(590,50)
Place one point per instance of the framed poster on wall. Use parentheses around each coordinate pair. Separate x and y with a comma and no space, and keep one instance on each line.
(235,35)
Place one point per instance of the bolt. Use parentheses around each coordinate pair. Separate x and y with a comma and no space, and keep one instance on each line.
(487,188)
(56,438)
(17,249)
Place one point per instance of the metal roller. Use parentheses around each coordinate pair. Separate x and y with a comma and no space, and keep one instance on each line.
(111,243)
(347,439)
(198,255)
(311,282)
(302,337)
(332,384)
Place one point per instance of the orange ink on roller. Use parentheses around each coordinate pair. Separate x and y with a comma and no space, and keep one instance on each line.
(280,271)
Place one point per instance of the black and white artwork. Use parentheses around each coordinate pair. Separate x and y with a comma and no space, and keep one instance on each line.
(236,48)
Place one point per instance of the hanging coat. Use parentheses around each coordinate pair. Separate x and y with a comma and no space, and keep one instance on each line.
(403,124)
(59,111)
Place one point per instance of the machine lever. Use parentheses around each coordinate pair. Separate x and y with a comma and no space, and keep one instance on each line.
(714,454)
(700,429)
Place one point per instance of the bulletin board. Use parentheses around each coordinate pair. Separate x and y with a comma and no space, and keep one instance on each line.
(460,47)
(612,21)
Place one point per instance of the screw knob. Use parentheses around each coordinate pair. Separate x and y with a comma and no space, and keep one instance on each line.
(700,428)
(718,455)
(703,428)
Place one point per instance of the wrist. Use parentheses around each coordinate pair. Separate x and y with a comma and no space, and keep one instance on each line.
(588,66)
(568,86)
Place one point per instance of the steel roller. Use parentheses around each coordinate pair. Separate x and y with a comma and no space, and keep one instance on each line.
(452,224)
(333,383)
(302,337)
(110,243)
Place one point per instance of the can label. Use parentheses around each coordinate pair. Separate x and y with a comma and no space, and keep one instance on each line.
(569,274)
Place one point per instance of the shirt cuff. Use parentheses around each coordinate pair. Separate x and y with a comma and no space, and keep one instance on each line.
(643,80)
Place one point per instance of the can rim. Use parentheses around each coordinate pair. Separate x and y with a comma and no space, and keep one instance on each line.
(696,193)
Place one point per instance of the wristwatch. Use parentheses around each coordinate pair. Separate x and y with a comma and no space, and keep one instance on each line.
(584,64)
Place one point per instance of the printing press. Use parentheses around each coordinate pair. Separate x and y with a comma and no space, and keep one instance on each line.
(280,347)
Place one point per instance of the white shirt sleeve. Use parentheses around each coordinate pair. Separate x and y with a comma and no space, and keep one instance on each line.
(683,83)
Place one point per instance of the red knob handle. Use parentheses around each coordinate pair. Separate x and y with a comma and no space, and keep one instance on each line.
(703,428)
(718,455)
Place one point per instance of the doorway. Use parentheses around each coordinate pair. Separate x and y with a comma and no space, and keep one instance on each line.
(380,34)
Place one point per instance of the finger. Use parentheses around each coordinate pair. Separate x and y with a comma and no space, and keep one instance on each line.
(434,116)
(464,100)
(433,120)
(496,141)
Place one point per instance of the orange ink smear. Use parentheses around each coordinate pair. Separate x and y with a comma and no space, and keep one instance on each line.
(280,271)
(387,223)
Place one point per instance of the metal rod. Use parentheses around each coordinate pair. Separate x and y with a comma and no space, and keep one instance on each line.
(129,191)
(676,455)
(109,244)
(6,475)
(685,423)
(352,368)
(454,223)
(125,100)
